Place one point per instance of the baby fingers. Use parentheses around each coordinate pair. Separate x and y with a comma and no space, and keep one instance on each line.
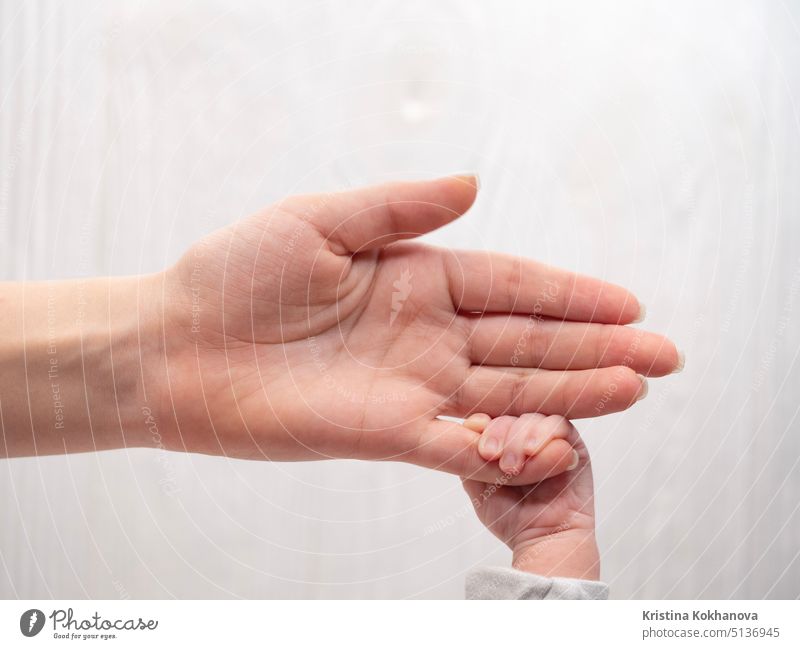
(512,440)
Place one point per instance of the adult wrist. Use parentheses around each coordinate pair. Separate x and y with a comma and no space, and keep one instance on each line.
(75,356)
(116,335)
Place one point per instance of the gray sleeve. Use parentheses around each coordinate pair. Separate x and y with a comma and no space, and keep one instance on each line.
(507,583)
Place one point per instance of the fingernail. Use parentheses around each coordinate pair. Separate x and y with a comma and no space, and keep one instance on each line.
(644,389)
(510,462)
(681,362)
(477,422)
(642,313)
(490,445)
(470,178)
(532,447)
(575,459)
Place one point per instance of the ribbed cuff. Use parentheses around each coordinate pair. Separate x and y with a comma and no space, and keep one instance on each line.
(508,583)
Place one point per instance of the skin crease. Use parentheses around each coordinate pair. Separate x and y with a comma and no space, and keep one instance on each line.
(276,339)
(550,526)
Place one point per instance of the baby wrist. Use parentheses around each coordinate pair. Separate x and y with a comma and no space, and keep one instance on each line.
(572,553)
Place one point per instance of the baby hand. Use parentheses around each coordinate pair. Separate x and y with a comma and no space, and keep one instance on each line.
(513,440)
(550,525)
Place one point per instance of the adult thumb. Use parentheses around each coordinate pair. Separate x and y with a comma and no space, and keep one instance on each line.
(374,216)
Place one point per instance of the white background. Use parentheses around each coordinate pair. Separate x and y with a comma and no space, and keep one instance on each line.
(657,147)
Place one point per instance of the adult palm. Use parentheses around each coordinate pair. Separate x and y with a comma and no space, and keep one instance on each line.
(310,330)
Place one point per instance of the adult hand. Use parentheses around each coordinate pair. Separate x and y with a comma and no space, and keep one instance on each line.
(310,330)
